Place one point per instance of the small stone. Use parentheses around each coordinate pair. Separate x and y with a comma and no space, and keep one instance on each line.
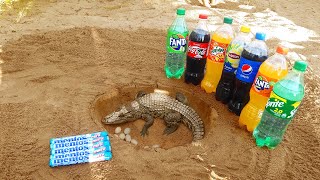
(128,138)
(127,130)
(122,136)
(133,141)
(117,130)
(156,146)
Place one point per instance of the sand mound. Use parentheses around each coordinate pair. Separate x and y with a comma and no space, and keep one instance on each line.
(53,81)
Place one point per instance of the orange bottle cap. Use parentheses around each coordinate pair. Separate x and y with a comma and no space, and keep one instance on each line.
(282,50)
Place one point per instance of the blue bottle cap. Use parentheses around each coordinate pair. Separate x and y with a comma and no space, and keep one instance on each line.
(260,36)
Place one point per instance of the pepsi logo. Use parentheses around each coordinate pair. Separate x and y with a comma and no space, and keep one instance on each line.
(246,69)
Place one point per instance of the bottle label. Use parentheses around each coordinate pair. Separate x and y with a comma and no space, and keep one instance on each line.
(247,70)
(177,42)
(232,58)
(197,50)
(263,84)
(280,107)
(217,51)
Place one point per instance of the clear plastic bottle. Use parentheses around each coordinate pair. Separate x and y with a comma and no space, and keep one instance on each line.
(197,51)
(220,40)
(226,84)
(281,107)
(176,46)
(253,55)
(270,72)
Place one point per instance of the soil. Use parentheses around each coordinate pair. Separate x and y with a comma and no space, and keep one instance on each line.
(67,64)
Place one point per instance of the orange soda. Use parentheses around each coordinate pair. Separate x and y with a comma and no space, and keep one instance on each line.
(220,40)
(270,71)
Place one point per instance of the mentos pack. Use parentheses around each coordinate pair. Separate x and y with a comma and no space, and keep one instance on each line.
(80,149)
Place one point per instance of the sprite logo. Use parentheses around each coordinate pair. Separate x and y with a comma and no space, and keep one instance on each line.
(261,83)
(177,42)
(281,107)
(275,104)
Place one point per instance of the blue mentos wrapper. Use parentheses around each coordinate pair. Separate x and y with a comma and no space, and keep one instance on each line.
(91,148)
(85,137)
(87,142)
(77,158)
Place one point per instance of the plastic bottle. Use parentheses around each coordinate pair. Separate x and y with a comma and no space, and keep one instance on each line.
(251,58)
(226,84)
(176,46)
(197,52)
(281,107)
(270,72)
(221,38)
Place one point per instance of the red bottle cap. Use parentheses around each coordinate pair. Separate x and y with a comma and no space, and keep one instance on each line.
(203,16)
(282,50)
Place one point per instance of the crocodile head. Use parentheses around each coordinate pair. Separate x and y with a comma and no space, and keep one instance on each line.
(125,113)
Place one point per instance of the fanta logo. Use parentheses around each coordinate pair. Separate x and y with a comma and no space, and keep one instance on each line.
(261,83)
(246,69)
(233,56)
(177,41)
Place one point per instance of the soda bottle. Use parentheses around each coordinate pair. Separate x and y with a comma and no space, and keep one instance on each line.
(251,58)
(226,84)
(270,71)
(197,51)
(281,107)
(220,40)
(176,46)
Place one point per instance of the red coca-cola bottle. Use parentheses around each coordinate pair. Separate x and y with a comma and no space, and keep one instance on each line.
(197,52)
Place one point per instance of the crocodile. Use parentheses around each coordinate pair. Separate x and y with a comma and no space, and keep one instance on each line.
(159,105)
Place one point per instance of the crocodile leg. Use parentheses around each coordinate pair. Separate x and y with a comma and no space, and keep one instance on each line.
(140,94)
(172,121)
(149,122)
(181,98)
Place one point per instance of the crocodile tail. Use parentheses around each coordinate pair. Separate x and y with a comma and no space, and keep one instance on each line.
(193,122)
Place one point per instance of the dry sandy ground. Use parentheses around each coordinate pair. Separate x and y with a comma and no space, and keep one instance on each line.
(68,63)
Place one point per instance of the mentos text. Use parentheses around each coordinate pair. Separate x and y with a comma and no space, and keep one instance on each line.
(76,158)
(77,138)
(76,143)
(80,148)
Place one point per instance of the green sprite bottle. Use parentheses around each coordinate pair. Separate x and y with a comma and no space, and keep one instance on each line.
(176,46)
(281,107)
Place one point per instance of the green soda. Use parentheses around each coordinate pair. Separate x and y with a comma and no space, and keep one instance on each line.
(176,46)
(281,107)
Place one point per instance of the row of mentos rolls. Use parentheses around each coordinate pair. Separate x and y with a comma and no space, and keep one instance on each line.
(237,68)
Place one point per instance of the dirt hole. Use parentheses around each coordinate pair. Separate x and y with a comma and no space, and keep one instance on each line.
(110,101)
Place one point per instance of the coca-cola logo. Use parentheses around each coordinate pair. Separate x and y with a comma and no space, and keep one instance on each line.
(233,56)
(197,50)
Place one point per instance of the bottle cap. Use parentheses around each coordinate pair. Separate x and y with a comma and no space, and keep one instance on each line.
(282,50)
(260,36)
(300,65)
(245,29)
(203,16)
(227,20)
(181,11)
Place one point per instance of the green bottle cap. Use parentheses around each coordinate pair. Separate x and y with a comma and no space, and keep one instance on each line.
(227,20)
(300,65)
(181,11)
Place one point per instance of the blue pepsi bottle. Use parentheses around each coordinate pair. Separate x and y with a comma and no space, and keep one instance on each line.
(251,58)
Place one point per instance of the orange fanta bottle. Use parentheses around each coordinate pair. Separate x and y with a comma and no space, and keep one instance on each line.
(270,71)
(220,40)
